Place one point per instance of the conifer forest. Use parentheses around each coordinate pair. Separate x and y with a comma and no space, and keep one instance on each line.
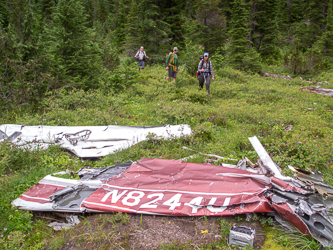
(48,44)
(71,63)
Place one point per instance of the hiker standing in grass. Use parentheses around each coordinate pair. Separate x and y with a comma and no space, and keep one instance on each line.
(206,71)
(171,64)
(141,56)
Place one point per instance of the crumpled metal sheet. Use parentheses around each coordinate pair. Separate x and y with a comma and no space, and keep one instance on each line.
(174,187)
(311,220)
(87,141)
(153,186)
(57,194)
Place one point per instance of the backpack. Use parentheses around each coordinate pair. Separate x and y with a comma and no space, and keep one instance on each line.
(201,58)
(144,56)
(171,59)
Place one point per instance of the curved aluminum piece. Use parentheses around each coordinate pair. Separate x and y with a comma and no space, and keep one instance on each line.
(88,141)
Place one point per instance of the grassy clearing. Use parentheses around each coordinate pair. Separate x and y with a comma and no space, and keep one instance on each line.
(239,106)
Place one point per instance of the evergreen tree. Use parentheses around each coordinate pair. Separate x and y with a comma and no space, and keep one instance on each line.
(316,20)
(20,57)
(209,25)
(117,22)
(153,29)
(70,44)
(46,7)
(3,15)
(268,30)
(298,23)
(327,38)
(241,56)
(238,33)
(173,13)
(131,30)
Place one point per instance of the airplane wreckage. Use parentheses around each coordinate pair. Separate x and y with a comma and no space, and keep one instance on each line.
(87,141)
(175,187)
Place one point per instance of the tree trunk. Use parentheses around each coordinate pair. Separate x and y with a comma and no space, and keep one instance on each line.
(252,26)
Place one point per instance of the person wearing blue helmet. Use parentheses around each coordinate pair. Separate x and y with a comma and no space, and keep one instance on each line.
(205,70)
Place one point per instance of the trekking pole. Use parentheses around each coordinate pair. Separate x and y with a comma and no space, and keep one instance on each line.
(165,73)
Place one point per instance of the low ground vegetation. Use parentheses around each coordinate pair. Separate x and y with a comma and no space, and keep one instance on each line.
(240,105)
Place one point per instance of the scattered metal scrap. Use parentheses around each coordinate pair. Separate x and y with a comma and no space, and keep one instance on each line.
(72,221)
(318,90)
(103,174)
(87,141)
(174,187)
(242,236)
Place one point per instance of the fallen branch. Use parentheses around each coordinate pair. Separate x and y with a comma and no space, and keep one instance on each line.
(318,90)
(307,108)
(273,75)
(211,155)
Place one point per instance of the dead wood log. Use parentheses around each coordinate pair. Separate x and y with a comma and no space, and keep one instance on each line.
(289,78)
(274,75)
(318,90)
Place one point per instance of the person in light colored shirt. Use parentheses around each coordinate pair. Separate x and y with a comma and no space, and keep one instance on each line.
(141,56)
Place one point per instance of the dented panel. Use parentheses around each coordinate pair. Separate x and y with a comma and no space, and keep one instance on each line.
(173,187)
(87,141)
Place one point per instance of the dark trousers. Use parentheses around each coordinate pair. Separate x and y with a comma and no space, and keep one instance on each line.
(204,79)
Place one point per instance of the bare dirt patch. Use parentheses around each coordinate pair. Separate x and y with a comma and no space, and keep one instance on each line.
(132,231)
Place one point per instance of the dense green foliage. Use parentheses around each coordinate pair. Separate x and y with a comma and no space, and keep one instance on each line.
(47,45)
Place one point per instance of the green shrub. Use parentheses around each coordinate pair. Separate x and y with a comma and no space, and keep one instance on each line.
(192,57)
(204,131)
(124,76)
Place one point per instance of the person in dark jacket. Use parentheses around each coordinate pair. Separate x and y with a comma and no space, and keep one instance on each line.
(205,68)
